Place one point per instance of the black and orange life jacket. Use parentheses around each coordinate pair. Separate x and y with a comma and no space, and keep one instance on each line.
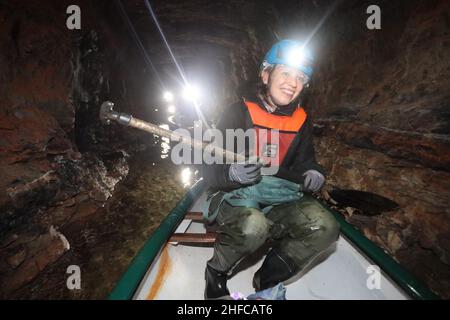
(287,126)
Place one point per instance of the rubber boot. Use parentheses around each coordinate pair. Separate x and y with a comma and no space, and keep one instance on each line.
(276,268)
(216,284)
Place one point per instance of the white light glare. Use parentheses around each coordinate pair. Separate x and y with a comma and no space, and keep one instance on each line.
(168,96)
(186,177)
(296,57)
(171,109)
(191,93)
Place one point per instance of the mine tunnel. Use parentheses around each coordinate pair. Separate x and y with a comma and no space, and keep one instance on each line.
(83,191)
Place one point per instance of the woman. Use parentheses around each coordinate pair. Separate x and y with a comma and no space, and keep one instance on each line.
(295,226)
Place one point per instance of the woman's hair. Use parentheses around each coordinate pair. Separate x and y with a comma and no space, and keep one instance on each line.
(261,87)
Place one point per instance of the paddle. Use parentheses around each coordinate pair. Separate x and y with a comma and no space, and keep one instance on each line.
(368,202)
(107,114)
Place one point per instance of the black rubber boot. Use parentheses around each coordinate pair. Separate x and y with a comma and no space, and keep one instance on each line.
(276,268)
(216,284)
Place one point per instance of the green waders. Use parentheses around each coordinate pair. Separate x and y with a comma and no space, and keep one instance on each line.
(298,230)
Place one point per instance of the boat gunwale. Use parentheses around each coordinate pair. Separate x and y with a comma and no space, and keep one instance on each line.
(131,280)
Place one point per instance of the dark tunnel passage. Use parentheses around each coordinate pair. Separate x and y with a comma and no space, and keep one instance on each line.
(74,191)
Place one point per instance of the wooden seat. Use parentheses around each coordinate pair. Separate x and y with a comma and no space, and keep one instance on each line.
(186,237)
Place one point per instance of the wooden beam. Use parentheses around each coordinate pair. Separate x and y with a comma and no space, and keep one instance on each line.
(209,237)
(193,215)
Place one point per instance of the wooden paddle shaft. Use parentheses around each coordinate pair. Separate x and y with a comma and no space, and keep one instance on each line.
(108,114)
(209,237)
(174,136)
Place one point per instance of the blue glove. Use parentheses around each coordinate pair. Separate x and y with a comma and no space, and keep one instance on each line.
(245,173)
(314,180)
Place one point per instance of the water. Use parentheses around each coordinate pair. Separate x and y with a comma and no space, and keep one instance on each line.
(104,244)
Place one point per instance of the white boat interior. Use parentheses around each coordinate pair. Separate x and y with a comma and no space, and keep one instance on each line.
(345,274)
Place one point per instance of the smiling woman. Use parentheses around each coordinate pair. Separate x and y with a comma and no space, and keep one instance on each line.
(245,217)
(284,84)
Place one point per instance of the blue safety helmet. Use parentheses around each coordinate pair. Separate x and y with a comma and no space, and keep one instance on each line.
(290,53)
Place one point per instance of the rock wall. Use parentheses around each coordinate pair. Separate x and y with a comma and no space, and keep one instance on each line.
(381,104)
(379,98)
(57,164)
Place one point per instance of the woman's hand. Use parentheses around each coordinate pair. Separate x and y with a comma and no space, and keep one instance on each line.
(245,173)
(314,180)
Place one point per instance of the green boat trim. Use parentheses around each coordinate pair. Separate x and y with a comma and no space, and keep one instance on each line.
(130,280)
(402,277)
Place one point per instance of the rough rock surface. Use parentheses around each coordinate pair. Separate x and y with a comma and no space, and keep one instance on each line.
(47,183)
(417,227)
(380,99)
(381,106)
(104,239)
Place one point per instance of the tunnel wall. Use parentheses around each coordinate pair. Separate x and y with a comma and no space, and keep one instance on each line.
(379,100)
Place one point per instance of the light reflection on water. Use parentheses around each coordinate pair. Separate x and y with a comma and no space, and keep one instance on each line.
(171,119)
(165,143)
(171,109)
(188,176)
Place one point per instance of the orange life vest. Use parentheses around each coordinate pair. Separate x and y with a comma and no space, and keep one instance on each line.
(269,146)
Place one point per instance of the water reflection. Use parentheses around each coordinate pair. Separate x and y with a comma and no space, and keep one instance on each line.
(189,177)
(186,177)
(171,109)
(165,143)
(171,119)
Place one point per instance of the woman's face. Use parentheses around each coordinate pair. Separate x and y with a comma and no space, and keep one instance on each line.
(284,84)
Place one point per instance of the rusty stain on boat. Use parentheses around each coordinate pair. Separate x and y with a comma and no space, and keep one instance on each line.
(164,267)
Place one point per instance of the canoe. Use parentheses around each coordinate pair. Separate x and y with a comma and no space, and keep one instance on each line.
(354,269)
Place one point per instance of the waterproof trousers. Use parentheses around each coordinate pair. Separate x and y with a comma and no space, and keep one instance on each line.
(297,232)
